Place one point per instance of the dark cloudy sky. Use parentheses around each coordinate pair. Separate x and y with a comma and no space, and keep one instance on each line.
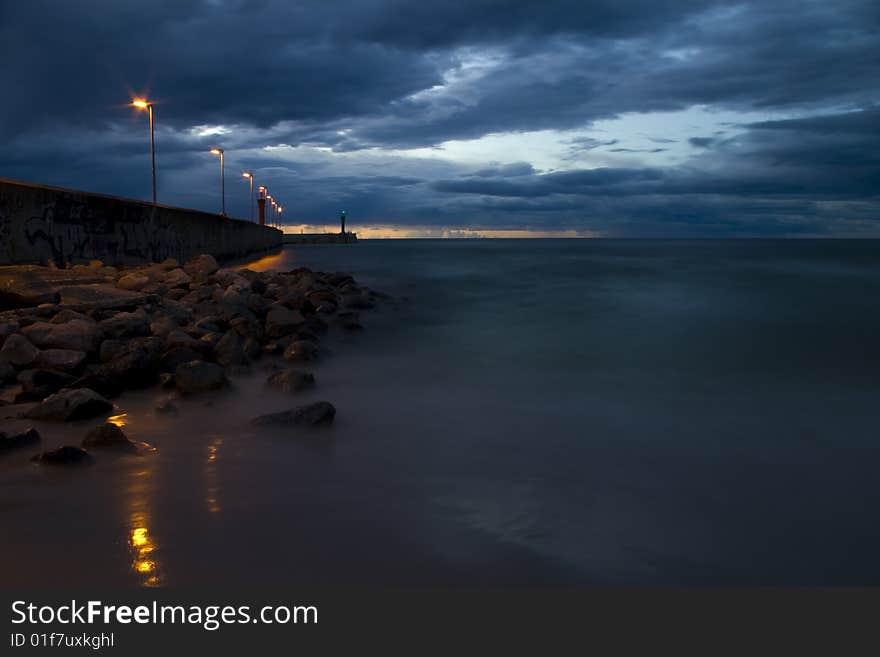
(605,117)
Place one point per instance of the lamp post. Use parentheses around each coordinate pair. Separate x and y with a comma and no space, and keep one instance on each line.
(250,177)
(261,204)
(274,211)
(140,103)
(278,223)
(220,152)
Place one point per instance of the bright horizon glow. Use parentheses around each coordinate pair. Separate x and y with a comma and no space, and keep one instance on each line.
(440,232)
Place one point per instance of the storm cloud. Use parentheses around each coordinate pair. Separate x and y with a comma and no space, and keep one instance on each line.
(610,117)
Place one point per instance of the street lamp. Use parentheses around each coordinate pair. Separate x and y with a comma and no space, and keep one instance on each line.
(140,103)
(219,151)
(278,222)
(250,177)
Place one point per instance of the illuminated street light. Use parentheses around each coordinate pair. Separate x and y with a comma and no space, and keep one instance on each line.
(250,177)
(220,152)
(140,103)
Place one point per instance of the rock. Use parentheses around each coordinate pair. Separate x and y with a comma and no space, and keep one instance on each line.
(252,348)
(10,394)
(352,325)
(169,263)
(18,351)
(166,405)
(339,279)
(109,436)
(71,404)
(132,282)
(126,325)
(281,321)
(289,380)
(111,349)
(63,360)
(327,308)
(247,327)
(36,385)
(177,356)
(77,334)
(155,287)
(180,339)
(177,278)
(67,315)
(199,376)
(211,323)
(258,286)
(201,267)
(229,350)
(137,365)
(162,326)
(301,351)
(7,372)
(7,329)
(100,383)
(18,439)
(312,415)
(19,290)
(66,455)
(176,294)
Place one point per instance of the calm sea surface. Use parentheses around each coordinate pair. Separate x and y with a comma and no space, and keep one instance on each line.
(531,412)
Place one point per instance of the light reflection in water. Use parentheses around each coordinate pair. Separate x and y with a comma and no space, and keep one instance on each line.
(119,420)
(141,541)
(212,486)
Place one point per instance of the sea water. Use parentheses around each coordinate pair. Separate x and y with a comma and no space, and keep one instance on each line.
(522,413)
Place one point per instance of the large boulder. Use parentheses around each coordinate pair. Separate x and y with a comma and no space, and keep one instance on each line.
(177,356)
(14,439)
(133,281)
(301,351)
(67,315)
(311,415)
(281,321)
(70,404)
(18,351)
(63,360)
(230,349)
(136,364)
(177,278)
(199,376)
(126,325)
(108,436)
(201,267)
(100,383)
(289,380)
(66,455)
(7,329)
(39,384)
(76,334)
(7,372)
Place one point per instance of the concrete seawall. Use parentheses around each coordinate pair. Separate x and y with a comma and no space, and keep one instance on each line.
(39,224)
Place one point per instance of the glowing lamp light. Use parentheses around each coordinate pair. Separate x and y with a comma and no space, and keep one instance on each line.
(140,103)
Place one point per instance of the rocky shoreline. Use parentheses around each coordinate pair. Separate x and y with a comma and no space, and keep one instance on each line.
(182,329)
